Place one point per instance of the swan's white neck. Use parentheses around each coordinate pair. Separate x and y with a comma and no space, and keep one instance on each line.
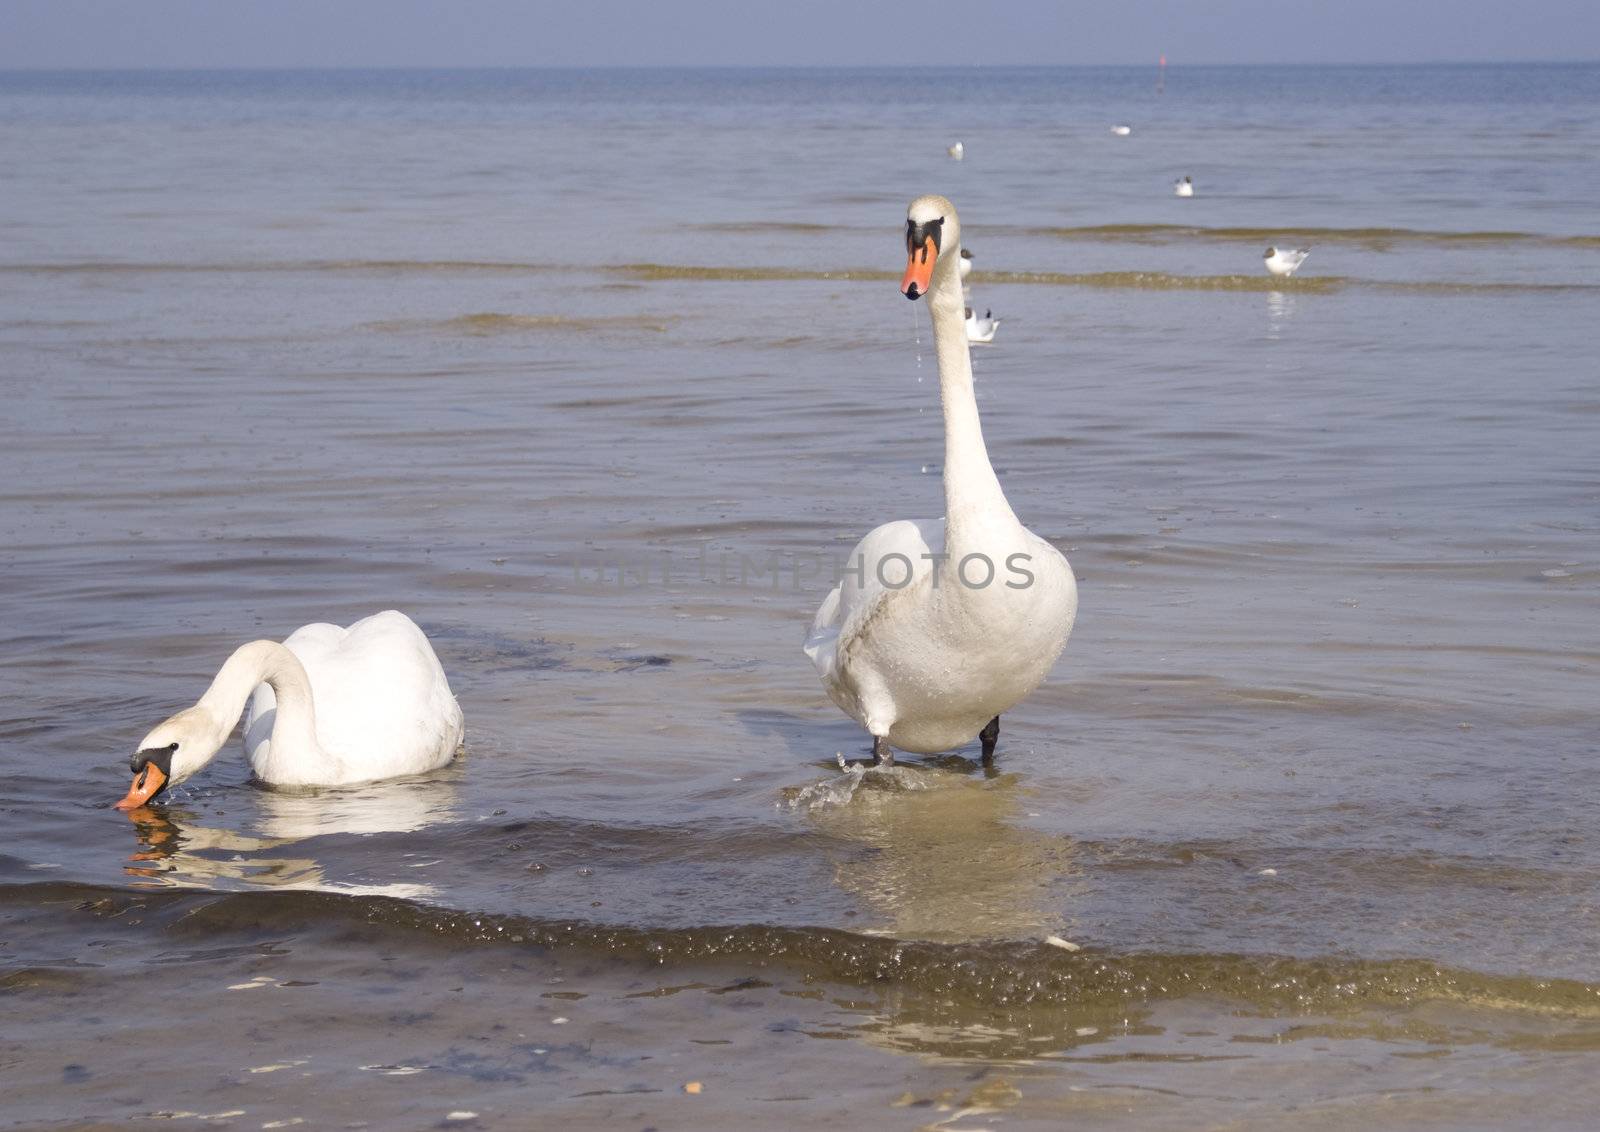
(294,729)
(974,503)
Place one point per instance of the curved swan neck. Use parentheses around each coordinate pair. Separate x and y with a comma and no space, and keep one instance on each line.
(972,495)
(294,727)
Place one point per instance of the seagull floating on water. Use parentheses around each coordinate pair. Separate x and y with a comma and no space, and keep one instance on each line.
(957,151)
(1283,262)
(1183,188)
(1122,131)
(981,329)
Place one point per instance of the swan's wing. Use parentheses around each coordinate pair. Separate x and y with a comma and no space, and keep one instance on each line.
(881,557)
(384,706)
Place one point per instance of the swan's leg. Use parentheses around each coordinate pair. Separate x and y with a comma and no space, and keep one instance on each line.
(881,754)
(990,736)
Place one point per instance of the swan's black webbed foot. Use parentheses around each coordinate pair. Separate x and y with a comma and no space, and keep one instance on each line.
(990,735)
(881,754)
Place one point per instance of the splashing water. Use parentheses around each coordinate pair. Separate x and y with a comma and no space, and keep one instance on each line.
(841,790)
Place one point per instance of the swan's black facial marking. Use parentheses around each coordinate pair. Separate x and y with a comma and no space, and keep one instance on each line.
(150,760)
(160,756)
(918,235)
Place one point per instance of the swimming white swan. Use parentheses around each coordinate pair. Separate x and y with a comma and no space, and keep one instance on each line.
(1122,131)
(941,625)
(1284,261)
(1183,188)
(957,151)
(981,329)
(330,707)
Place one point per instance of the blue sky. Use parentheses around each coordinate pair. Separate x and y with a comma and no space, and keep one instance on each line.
(386,33)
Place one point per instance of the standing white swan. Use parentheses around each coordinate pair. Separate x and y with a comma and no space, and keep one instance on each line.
(941,625)
(331,707)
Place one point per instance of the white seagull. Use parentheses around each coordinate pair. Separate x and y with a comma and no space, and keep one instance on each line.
(981,329)
(1282,262)
(1183,188)
(957,151)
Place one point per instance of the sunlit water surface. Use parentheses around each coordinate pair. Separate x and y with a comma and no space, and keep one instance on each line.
(596,375)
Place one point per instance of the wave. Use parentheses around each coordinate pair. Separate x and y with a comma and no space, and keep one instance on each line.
(491,322)
(494,322)
(1107,280)
(382,266)
(745,226)
(654,271)
(998,974)
(1375,238)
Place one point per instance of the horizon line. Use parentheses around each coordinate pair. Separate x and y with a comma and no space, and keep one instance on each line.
(290,67)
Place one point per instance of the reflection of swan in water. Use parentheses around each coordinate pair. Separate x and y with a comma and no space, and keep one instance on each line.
(941,856)
(943,859)
(175,850)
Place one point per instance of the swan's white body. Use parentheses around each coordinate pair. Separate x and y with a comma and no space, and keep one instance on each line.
(327,707)
(927,664)
(1183,188)
(957,151)
(1122,131)
(1283,261)
(981,330)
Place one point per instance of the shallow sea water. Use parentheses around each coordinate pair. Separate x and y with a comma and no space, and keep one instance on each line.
(595,375)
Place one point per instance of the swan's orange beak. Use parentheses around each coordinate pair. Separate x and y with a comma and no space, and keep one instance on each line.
(919,267)
(146,785)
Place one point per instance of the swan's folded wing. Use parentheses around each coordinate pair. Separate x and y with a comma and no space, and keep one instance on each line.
(824,628)
(886,561)
(395,701)
(384,706)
